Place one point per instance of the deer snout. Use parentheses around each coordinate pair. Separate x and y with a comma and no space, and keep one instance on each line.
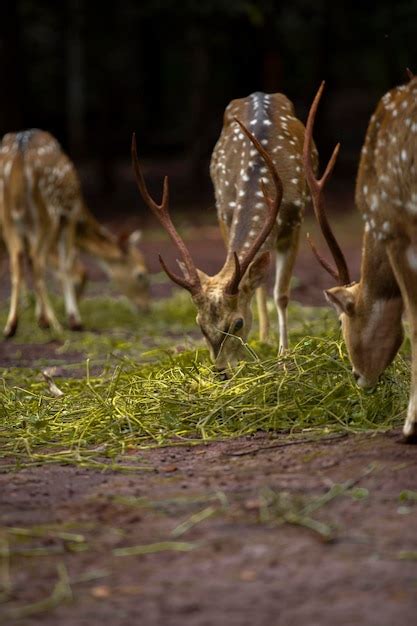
(222,374)
(362,381)
(143,306)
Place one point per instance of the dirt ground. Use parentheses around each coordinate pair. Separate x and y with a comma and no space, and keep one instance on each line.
(238,570)
(255,531)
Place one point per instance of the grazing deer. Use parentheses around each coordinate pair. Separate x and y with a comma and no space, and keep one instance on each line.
(386,194)
(44,221)
(245,177)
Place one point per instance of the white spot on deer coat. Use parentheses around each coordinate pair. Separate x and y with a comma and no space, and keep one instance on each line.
(374,203)
(411,207)
(411,255)
(377,311)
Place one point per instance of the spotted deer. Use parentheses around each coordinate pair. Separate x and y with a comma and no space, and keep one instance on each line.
(386,194)
(45,223)
(248,168)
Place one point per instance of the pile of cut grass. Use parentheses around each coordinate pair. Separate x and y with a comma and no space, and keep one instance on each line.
(150,392)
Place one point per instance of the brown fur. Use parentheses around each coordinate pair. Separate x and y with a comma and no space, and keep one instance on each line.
(236,170)
(44,220)
(386,195)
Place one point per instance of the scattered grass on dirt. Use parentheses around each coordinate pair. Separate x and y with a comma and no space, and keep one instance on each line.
(155,385)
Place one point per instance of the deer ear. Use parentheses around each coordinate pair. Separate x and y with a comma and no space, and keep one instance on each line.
(202,276)
(258,270)
(135,237)
(123,241)
(183,269)
(342,299)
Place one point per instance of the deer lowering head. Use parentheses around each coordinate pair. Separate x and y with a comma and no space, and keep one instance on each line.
(120,257)
(386,194)
(223,300)
(43,218)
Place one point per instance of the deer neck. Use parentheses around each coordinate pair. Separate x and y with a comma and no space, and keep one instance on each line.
(96,240)
(379,296)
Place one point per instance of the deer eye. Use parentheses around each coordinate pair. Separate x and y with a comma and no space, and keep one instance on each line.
(141,278)
(238,325)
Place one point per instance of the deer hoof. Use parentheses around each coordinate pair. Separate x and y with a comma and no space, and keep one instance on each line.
(43,321)
(410,439)
(410,432)
(10,329)
(74,323)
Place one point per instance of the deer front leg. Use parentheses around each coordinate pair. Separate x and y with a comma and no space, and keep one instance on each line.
(285,259)
(79,278)
(261,301)
(403,260)
(16,274)
(67,267)
(45,313)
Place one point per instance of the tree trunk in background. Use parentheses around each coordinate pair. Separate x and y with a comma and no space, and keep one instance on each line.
(324,71)
(11,69)
(75,78)
(198,139)
(272,71)
(273,67)
(106,162)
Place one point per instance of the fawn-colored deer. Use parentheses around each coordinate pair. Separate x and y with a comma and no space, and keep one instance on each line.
(248,168)
(44,223)
(386,194)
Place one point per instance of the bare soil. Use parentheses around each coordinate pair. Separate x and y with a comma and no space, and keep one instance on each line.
(240,571)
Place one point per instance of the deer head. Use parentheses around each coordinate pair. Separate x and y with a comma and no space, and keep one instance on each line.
(129,272)
(369,310)
(223,300)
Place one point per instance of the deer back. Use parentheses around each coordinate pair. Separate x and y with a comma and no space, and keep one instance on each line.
(237,168)
(386,187)
(51,185)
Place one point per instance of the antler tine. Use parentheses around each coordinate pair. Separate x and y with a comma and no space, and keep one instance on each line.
(161,212)
(316,186)
(272,206)
(409,73)
(329,268)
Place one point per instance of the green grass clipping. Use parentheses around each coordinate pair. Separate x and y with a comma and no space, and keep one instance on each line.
(135,381)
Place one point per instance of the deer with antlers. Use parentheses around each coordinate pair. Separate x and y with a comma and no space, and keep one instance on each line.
(249,193)
(386,194)
(45,223)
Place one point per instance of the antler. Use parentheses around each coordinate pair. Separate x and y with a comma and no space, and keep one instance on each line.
(409,73)
(161,212)
(273,208)
(341,272)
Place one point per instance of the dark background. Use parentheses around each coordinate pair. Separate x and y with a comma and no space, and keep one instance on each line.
(92,72)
